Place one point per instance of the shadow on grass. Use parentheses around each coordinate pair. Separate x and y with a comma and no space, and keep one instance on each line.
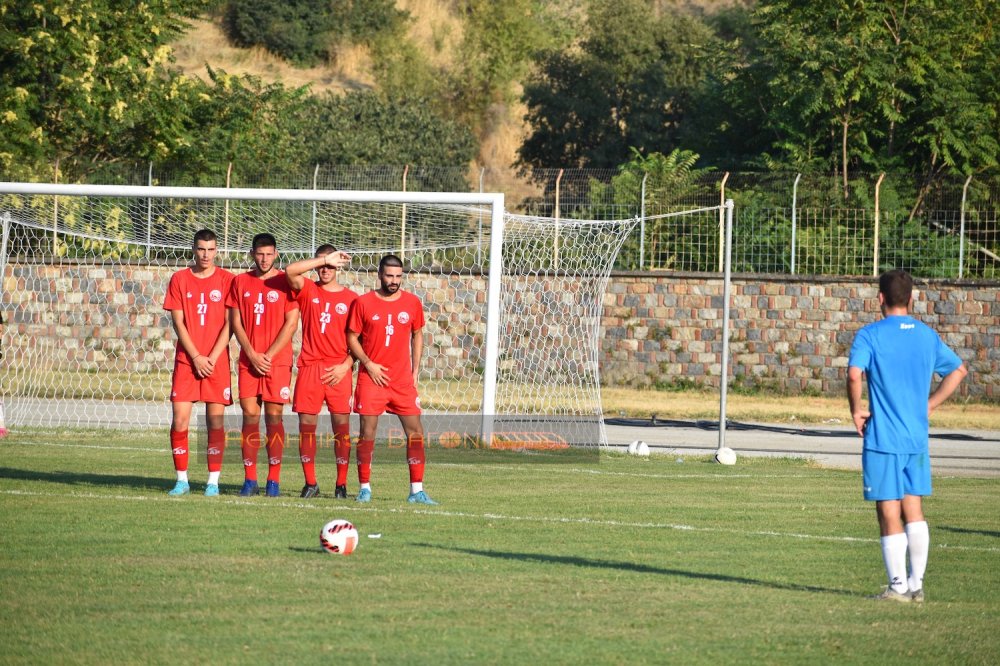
(314,549)
(965,530)
(90,479)
(637,568)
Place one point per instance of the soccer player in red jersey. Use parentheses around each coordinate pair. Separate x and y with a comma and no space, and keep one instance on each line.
(263,316)
(325,366)
(385,333)
(196,302)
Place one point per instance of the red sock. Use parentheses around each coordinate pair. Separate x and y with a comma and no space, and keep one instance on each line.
(275,447)
(366,449)
(250,442)
(307,452)
(342,450)
(216,447)
(415,458)
(179,449)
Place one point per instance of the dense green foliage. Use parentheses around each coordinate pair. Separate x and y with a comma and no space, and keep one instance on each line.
(307,31)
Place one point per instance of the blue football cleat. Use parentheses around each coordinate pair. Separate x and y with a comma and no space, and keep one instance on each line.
(271,489)
(249,489)
(180,488)
(420,498)
(364,495)
(212,490)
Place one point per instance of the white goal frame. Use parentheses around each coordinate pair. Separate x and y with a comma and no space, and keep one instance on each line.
(494,200)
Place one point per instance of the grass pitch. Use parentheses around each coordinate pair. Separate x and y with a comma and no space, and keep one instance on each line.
(618,560)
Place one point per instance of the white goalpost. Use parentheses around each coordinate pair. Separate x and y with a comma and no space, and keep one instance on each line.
(512,302)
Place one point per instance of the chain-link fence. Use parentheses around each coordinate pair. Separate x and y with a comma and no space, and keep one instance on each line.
(785,223)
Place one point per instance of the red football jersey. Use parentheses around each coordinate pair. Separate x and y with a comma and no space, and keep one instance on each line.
(324,323)
(203,303)
(385,328)
(262,305)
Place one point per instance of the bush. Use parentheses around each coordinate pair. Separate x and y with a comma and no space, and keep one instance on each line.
(302,31)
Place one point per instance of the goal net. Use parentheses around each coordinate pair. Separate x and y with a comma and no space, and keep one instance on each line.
(512,303)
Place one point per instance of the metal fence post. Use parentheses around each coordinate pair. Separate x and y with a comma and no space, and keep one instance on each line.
(795,197)
(314,208)
(149,212)
(642,222)
(961,229)
(878,186)
(722,218)
(555,246)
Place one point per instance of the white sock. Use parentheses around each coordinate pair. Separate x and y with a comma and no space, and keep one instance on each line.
(182,476)
(894,556)
(919,541)
(416,487)
(213,478)
(366,486)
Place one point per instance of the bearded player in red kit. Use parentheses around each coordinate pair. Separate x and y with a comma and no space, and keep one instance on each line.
(325,366)
(196,302)
(263,316)
(385,333)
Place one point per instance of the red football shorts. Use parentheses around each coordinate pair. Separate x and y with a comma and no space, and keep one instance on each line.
(311,393)
(216,388)
(371,399)
(274,387)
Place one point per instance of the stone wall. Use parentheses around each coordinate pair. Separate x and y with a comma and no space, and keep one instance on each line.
(788,333)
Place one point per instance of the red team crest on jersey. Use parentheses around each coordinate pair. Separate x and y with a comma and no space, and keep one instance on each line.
(341,308)
(404,317)
(215,296)
(272,296)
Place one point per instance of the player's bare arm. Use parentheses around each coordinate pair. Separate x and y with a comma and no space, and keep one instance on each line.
(859,414)
(416,352)
(284,336)
(202,364)
(375,371)
(221,343)
(295,271)
(259,362)
(946,388)
(336,373)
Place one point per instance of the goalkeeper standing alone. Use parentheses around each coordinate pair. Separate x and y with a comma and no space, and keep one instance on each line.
(899,356)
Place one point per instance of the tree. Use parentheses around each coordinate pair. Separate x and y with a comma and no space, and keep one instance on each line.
(875,86)
(366,128)
(86,81)
(628,85)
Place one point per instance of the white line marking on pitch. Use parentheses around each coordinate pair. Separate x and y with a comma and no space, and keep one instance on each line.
(497,516)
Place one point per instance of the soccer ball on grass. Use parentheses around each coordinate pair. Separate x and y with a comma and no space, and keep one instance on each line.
(339,537)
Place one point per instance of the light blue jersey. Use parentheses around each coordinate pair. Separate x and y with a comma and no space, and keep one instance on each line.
(899,356)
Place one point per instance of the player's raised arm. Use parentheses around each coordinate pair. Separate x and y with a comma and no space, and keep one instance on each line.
(295,271)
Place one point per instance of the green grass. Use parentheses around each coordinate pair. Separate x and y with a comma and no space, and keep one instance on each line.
(615,561)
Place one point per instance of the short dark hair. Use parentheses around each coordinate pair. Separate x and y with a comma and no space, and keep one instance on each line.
(203,235)
(389,260)
(896,287)
(263,240)
(325,248)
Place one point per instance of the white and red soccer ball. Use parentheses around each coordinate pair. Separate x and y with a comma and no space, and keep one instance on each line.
(339,537)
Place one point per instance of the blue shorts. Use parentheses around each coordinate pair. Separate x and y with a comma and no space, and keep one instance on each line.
(889,476)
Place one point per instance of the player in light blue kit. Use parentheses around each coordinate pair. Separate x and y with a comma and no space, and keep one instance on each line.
(899,356)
